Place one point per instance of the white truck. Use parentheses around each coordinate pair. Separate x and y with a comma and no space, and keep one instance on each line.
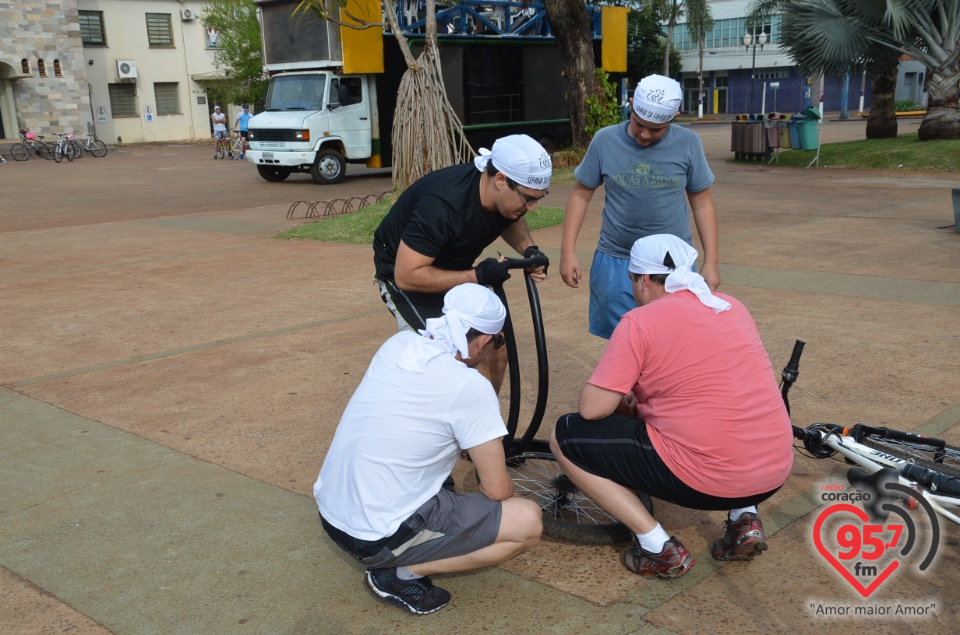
(317,119)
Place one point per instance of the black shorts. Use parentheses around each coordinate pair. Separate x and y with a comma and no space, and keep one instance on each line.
(244,133)
(411,309)
(618,448)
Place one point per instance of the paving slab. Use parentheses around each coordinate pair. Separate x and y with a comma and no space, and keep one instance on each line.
(172,376)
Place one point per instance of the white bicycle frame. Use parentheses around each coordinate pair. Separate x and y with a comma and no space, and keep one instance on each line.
(874,460)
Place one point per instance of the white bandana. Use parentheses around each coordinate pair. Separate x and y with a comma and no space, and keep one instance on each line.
(465,306)
(520,158)
(657,99)
(647,256)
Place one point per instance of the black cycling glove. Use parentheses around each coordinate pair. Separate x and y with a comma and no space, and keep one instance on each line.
(533,251)
(492,273)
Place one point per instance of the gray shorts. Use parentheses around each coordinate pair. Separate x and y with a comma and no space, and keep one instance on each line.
(446,526)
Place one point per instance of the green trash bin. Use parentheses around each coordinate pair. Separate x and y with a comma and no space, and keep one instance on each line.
(808,134)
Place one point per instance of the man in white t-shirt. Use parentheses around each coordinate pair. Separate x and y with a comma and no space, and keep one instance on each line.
(219,130)
(420,405)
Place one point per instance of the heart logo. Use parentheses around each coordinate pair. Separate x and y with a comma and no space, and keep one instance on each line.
(829,557)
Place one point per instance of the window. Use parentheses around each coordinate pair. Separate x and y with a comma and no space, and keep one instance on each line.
(348,90)
(167,95)
(91,28)
(57,69)
(25,66)
(159,30)
(123,100)
(42,68)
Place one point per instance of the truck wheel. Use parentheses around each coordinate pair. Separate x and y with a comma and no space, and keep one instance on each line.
(329,168)
(274,175)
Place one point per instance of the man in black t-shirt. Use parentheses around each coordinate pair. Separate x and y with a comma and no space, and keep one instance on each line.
(428,241)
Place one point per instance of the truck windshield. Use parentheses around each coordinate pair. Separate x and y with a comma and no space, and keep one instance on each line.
(296,92)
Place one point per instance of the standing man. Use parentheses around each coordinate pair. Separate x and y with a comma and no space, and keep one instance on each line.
(428,241)
(241,124)
(219,130)
(648,168)
(684,407)
(422,404)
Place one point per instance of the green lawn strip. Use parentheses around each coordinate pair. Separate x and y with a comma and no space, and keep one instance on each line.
(905,152)
(357,227)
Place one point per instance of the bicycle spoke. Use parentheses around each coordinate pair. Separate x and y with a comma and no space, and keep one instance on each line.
(542,482)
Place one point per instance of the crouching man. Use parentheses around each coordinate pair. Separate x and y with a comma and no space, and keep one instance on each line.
(682,406)
(420,405)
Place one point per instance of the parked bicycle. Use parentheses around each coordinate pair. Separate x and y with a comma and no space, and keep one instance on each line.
(31,143)
(92,145)
(924,470)
(64,148)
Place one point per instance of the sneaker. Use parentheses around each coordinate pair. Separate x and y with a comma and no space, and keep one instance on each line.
(231,155)
(672,562)
(241,156)
(742,540)
(418,596)
(3,161)
(215,157)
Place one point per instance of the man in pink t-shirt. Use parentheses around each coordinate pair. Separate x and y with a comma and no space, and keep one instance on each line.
(683,406)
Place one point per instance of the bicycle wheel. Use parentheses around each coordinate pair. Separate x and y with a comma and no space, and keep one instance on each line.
(46,152)
(70,152)
(946,461)
(568,513)
(220,150)
(77,149)
(98,148)
(58,153)
(19,152)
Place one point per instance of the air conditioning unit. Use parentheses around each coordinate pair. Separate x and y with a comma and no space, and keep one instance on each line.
(126,69)
(187,14)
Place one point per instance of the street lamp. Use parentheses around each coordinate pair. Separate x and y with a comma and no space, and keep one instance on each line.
(747,41)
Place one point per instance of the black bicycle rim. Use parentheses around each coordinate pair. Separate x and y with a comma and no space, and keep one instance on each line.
(568,514)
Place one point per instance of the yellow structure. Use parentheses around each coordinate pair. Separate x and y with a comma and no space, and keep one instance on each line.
(362,48)
(613,24)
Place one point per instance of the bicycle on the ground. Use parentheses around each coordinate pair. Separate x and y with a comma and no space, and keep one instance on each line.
(31,143)
(568,513)
(92,145)
(924,470)
(64,148)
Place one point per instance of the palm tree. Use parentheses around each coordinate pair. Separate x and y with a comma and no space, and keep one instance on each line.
(828,35)
(673,10)
(700,23)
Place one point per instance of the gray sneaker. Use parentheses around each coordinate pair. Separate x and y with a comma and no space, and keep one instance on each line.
(418,596)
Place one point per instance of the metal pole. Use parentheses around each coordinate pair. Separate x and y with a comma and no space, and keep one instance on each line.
(753,71)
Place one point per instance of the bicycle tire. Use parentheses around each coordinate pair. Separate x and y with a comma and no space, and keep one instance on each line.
(568,514)
(98,149)
(220,151)
(77,149)
(69,152)
(917,453)
(19,152)
(58,154)
(47,152)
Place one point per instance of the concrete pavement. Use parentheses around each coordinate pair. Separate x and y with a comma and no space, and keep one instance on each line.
(172,376)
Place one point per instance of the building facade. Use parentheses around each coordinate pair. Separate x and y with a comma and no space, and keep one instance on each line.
(43,72)
(758,78)
(131,70)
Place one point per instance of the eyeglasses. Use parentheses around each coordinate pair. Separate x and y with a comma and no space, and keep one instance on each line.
(527,199)
(498,341)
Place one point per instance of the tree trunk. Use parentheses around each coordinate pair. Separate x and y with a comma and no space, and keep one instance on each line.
(571,26)
(942,120)
(882,122)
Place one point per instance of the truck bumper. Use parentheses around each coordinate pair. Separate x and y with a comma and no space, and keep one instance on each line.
(285,159)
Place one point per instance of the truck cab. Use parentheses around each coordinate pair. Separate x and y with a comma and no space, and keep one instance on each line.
(314,121)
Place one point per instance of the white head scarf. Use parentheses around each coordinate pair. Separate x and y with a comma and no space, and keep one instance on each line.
(647,256)
(465,306)
(521,158)
(657,99)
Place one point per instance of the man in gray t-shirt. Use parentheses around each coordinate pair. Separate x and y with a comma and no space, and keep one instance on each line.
(649,169)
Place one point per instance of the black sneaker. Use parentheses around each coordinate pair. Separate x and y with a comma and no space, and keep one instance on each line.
(418,596)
